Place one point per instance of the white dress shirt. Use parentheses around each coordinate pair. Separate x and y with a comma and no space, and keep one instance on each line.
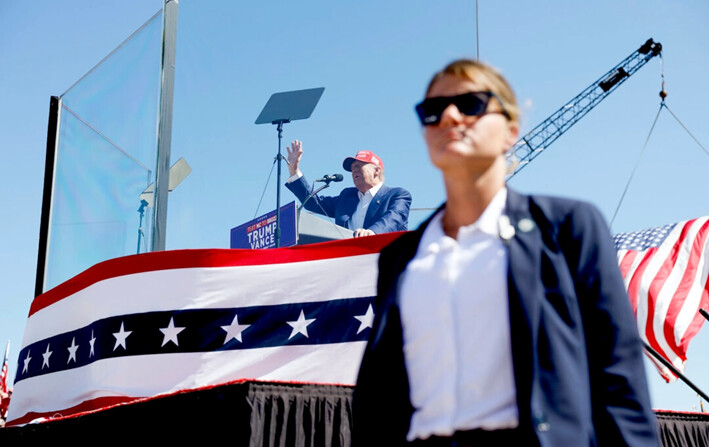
(455,320)
(357,219)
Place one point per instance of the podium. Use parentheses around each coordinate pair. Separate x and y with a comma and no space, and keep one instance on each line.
(312,229)
(299,228)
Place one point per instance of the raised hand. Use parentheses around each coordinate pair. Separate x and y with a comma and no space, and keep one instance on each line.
(295,152)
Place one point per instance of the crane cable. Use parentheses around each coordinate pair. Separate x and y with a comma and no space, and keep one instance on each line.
(636,164)
(663,95)
(477,33)
(685,128)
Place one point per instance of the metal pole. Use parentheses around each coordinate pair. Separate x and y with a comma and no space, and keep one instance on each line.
(167,82)
(278,187)
(672,368)
(55,106)
(704,313)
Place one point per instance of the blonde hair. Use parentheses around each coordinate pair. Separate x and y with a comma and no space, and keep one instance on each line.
(483,74)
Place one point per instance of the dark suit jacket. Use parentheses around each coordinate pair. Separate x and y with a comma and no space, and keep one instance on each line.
(388,211)
(578,361)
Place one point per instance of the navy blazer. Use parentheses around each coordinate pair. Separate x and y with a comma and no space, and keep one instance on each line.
(387,212)
(577,356)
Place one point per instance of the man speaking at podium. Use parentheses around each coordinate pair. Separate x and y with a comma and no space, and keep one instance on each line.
(368,208)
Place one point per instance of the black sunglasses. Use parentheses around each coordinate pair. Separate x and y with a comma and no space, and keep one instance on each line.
(430,110)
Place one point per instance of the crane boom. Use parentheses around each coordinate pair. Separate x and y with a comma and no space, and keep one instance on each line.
(538,139)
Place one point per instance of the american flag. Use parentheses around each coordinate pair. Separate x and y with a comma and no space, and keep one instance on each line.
(160,323)
(4,396)
(665,272)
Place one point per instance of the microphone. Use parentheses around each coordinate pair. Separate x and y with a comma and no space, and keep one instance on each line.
(330,178)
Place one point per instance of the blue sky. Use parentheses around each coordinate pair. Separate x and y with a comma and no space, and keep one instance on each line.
(374,59)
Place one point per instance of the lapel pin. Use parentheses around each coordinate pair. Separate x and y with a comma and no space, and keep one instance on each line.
(525,225)
(507,231)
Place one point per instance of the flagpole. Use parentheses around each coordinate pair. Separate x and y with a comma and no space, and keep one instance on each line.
(704,313)
(4,395)
(674,370)
(4,372)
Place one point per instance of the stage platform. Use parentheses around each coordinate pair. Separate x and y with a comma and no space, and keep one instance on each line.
(258,414)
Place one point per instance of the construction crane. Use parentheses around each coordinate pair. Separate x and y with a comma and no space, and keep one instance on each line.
(538,139)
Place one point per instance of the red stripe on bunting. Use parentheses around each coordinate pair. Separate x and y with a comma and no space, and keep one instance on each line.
(178,259)
(108,402)
(83,408)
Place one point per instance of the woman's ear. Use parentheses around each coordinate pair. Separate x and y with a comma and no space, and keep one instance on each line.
(512,134)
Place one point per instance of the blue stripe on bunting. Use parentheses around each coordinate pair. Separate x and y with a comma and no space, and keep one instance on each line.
(152,333)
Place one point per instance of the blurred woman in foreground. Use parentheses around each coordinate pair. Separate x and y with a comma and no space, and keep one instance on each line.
(502,320)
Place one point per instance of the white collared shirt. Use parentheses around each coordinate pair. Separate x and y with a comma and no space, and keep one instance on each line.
(456,328)
(357,219)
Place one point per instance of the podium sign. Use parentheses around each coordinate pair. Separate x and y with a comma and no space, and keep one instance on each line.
(261,232)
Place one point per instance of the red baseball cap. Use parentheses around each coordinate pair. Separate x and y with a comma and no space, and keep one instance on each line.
(363,156)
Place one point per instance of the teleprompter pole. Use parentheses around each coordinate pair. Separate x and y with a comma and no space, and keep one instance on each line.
(279,157)
(282,108)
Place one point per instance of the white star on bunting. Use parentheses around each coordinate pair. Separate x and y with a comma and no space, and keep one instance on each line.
(121,336)
(72,350)
(92,340)
(234,330)
(366,320)
(46,356)
(170,333)
(27,362)
(300,325)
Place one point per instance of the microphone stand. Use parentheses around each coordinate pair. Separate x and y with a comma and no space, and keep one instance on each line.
(312,194)
(327,183)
